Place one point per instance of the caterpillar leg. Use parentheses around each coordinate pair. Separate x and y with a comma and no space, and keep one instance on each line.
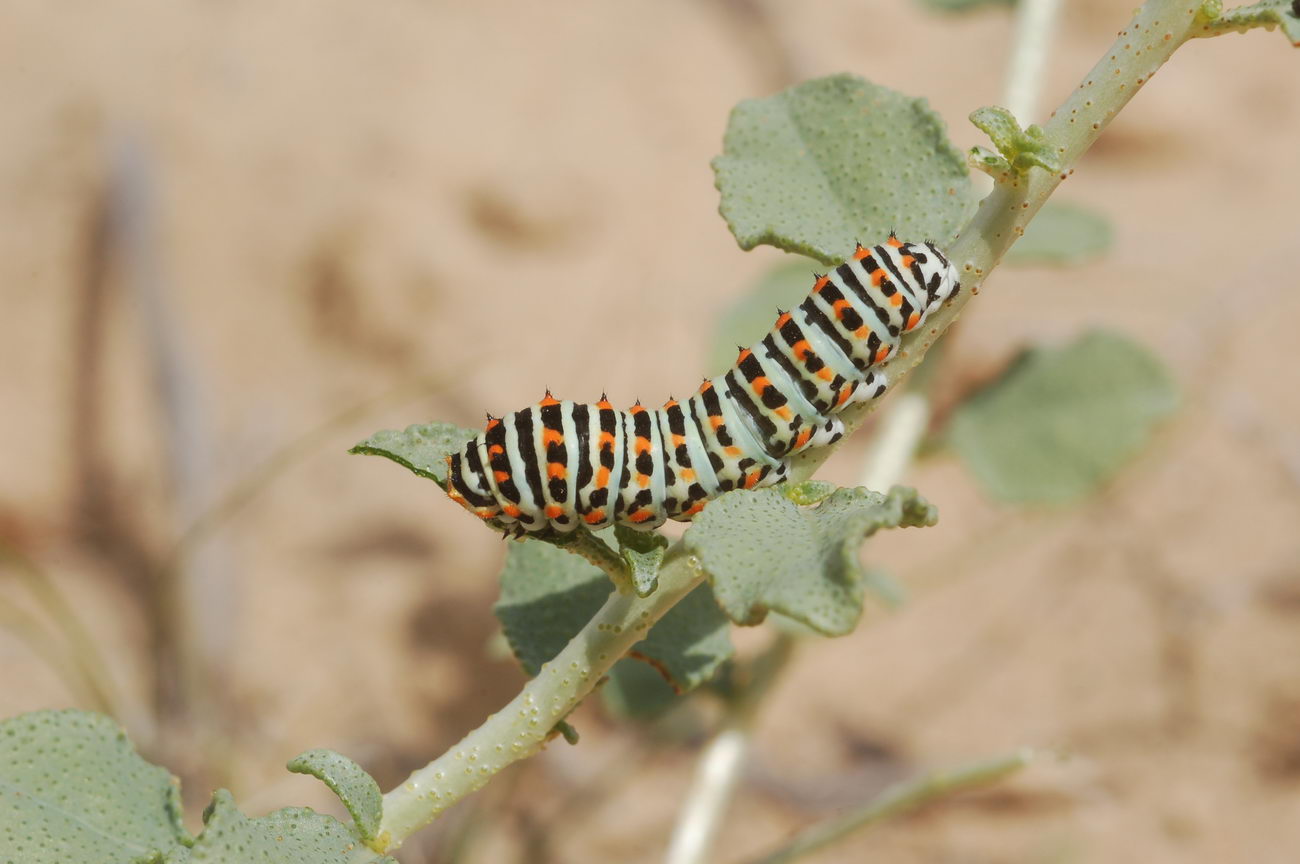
(871,388)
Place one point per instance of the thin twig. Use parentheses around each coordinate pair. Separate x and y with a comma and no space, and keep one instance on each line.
(899,799)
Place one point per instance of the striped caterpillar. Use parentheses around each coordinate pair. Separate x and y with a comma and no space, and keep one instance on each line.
(560,463)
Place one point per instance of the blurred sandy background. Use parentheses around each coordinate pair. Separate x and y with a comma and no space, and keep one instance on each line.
(226,227)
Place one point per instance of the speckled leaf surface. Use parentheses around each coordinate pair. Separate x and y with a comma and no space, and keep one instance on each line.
(422,448)
(296,835)
(1062,421)
(837,160)
(356,789)
(547,595)
(1063,235)
(754,313)
(764,553)
(74,791)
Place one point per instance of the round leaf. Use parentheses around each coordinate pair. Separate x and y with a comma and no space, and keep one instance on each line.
(838,160)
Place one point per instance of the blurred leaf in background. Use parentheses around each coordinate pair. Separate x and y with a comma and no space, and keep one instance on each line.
(1060,422)
(1062,235)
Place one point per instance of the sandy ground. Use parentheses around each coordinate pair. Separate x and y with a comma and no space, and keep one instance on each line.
(367,215)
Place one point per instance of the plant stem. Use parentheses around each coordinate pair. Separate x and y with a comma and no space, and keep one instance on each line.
(722,760)
(1035,26)
(521,728)
(1157,29)
(898,799)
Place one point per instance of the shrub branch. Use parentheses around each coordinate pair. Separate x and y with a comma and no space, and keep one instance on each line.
(520,729)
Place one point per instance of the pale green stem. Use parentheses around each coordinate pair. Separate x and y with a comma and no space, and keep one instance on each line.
(1157,29)
(521,728)
(899,799)
(719,766)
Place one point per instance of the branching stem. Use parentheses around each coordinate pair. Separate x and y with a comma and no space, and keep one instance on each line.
(520,729)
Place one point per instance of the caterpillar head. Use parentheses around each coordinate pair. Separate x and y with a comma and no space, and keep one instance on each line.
(942,281)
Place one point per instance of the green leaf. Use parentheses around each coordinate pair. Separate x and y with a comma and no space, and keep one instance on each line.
(1021,149)
(74,791)
(643,553)
(809,492)
(548,595)
(763,553)
(295,835)
(751,316)
(636,691)
(1062,234)
(356,789)
(833,161)
(422,448)
(950,6)
(1062,421)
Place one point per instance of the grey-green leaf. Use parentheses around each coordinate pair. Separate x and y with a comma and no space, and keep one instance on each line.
(1062,234)
(637,691)
(838,160)
(296,835)
(74,791)
(1062,421)
(547,596)
(753,314)
(643,553)
(764,553)
(422,448)
(356,789)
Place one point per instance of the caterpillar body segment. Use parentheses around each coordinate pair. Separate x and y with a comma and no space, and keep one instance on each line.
(561,464)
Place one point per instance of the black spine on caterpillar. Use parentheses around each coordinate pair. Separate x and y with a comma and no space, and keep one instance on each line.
(559,464)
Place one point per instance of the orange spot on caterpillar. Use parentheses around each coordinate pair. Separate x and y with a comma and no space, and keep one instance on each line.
(801,349)
(594,516)
(741,357)
(839,306)
(695,508)
(896,299)
(715,420)
(493,423)
(862,332)
(751,480)
(825,374)
(908,260)
(502,476)
(485,512)
(548,400)
(760,384)
(607,440)
(894,241)
(642,445)
(643,480)
(556,470)
(861,253)
(706,386)
(671,403)
(882,354)
(822,282)
(803,438)
(604,405)
(688,474)
(731,451)
(877,278)
(602,477)
(844,396)
(496,450)
(913,320)
(679,440)
(512,511)
(783,412)
(554,511)
(783,320)
(640,516)
(636,409)
(550,436)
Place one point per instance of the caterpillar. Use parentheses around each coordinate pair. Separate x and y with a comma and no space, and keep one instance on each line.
(561,464)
